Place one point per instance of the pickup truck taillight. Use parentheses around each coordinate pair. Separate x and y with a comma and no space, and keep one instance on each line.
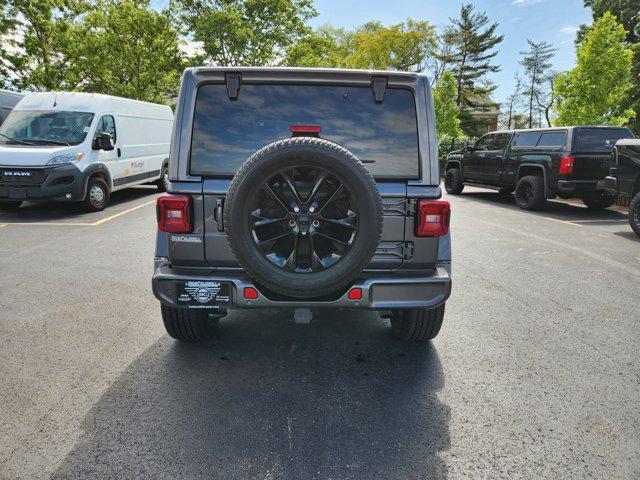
(566,164)
(174,213)
(433,218)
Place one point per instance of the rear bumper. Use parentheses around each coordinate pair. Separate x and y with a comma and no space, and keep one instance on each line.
(576,187)
(64,182)
(379,292)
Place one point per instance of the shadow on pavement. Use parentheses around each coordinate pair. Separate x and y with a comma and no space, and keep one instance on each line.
(55,211)
(560,210)
(630,235)
(270,399)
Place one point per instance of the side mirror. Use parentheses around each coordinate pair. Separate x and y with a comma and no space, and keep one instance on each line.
(465,146)
(104,141)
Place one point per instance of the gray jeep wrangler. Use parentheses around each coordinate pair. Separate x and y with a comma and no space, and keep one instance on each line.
(300,189)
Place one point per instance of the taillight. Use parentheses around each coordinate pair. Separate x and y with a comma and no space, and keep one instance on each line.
(433,218)
(566,164)
(173,212)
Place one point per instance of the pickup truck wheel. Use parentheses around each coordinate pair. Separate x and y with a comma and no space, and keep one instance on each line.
(417,325)
(189,325)
(97,196)
(530,193)
(10,205)
(303,217)
(634,214)
(599,201)
(163,182)
(453,181)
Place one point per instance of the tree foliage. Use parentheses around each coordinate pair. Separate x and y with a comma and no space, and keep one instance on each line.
(596,90)
(447,111)
(125,48)
(536,62)
(326,47)
(246,32)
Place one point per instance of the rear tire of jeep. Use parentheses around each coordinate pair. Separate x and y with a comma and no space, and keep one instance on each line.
(305,272)
(453,181)
(189,325)
(97,197)
(634,214)
(599,201)
(530,193)
(417,325)
(10,205)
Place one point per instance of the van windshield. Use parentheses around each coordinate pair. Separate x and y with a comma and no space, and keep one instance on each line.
(383,135)
(40,127)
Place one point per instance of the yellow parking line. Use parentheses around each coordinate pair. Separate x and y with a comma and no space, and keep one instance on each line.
(563,221)
(105,220)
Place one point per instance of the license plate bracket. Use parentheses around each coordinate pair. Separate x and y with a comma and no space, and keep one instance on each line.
(203,294)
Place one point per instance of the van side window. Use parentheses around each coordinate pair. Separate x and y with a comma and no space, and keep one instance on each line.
(526,139)
(107,125)
(552,139)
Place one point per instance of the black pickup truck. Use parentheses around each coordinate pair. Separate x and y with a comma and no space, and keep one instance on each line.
(539,164)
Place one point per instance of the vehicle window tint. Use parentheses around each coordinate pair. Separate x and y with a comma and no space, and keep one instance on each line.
(552,139)
(501,141)
(484,142)
(107,124)
(226,132)
(526,139)
(599,139)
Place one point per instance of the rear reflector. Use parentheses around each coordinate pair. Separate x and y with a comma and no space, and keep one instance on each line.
(355,294)
(250,293)
(433,218)
(173,212)
(315,129)
(566,164)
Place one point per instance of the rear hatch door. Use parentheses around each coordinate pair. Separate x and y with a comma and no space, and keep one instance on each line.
(592,150)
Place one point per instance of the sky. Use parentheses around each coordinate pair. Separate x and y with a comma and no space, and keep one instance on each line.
(554,21)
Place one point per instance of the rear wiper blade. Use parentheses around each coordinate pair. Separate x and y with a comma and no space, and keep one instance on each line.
(22,142)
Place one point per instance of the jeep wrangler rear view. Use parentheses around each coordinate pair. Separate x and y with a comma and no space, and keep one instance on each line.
(300,189)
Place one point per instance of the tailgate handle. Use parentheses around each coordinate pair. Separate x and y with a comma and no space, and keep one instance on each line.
(217,214)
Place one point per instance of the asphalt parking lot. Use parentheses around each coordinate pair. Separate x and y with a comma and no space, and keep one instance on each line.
(534,374)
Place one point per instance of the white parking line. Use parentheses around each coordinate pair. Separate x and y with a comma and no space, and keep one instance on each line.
(80,224)
(563,221)
(621,220)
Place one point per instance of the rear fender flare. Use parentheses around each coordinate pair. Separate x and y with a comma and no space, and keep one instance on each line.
(538,167)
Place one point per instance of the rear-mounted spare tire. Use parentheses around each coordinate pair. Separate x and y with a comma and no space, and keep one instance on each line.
(303,217)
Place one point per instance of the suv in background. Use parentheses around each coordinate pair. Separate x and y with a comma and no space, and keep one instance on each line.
(539,164)
(303,188)
(625,177)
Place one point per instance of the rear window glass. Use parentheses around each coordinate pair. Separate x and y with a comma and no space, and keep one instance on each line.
(599,139)
(527,139)
(552,139)
(226,133)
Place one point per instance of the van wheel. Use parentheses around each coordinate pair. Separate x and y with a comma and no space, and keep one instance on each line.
(417,325)
(97,197)
(163,182)
(10,205)
(530,193)
(634,214)
(189,325)
(599,200)
(453,181)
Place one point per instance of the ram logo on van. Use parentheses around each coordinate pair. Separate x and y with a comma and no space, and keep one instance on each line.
(16,174)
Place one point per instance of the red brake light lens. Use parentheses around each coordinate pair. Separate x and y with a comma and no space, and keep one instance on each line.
(355,294)
(305,129)
(173,212)
(250,293)
(433,218)
(566,164)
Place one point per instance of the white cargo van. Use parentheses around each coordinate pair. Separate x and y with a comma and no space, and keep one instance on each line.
(8,100)
(71,146)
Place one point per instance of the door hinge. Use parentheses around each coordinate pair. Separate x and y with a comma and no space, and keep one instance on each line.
(218,214)
(411,206)
(407,251)
(379,85)
(233,81)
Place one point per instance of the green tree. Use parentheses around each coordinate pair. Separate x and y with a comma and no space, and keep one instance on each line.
(38,60)
(126,48)
(8,24)
(473,41)
(596,90)
(246,32)
(403,46)
(326,47)
(628,13)
(444,103)
(537,64)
